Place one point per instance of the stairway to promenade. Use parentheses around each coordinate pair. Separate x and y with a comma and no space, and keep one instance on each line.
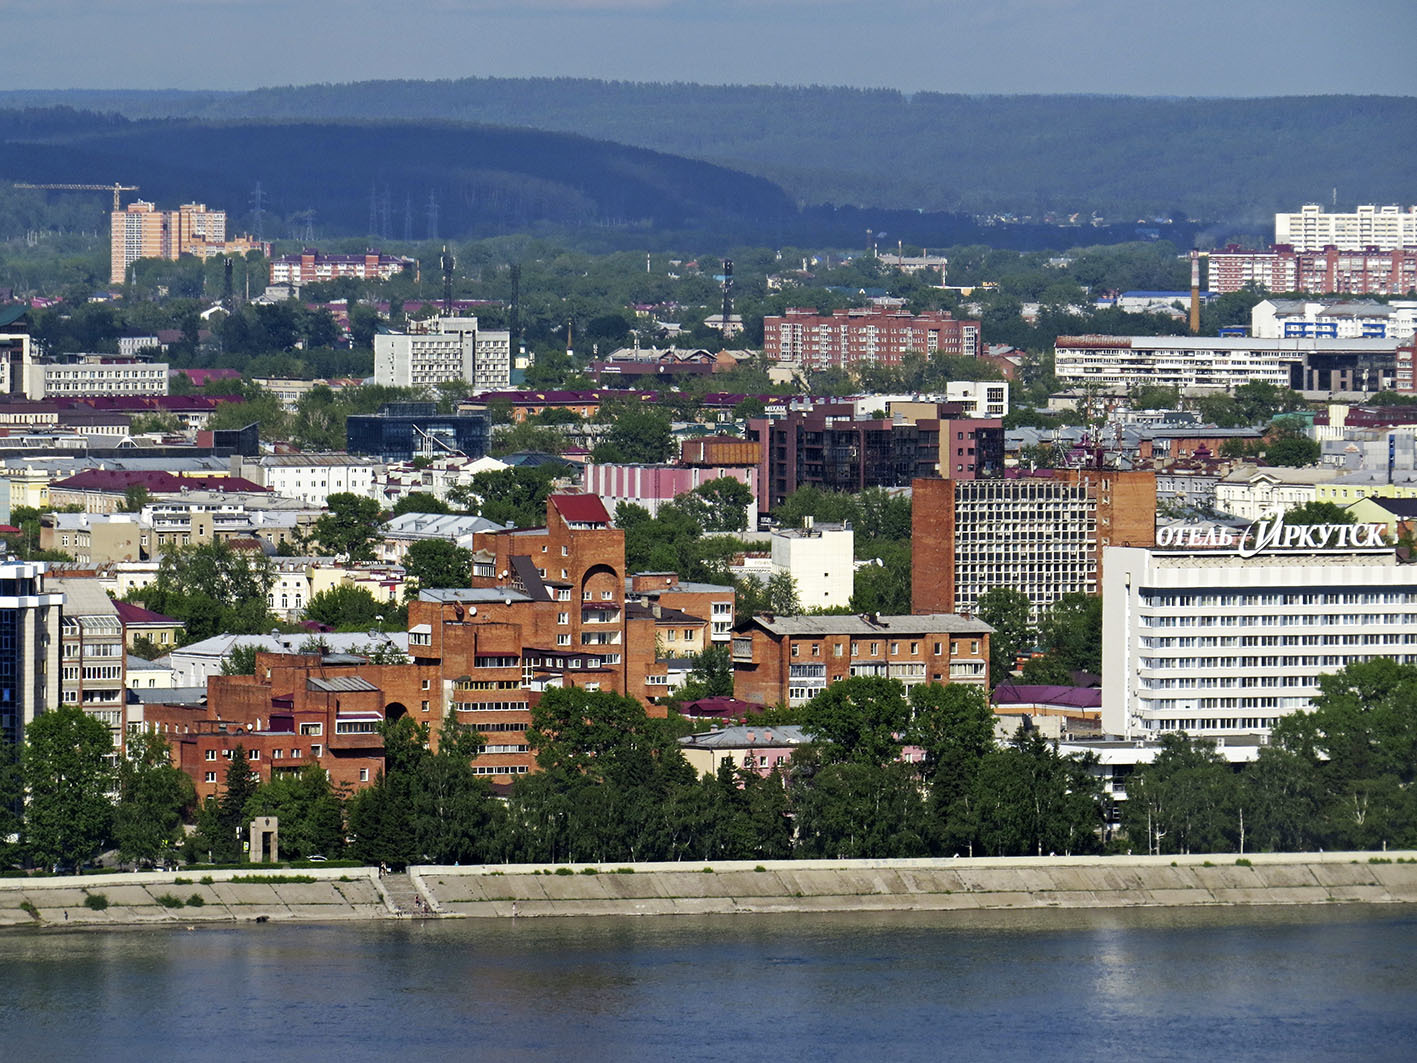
(403,896)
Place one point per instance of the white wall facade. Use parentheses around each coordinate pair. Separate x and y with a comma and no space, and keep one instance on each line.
(1205,640)
(821,562)
(1311,228)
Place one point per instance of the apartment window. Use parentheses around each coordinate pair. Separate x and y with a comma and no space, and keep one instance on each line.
(605,596)
(210,776)
(939,648)
(256,754)
(316,750)
(838,649)
(688,634)
(816,649)
(563,618)
(363,774)
(425,706)
(311,728)
(796,649)
(875,649)
(211,754)
(895,649)
(565,551)
(563,640)
(427,684)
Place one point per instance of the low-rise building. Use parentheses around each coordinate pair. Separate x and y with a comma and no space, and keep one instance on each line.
(788,660)
(312,478)
(756,748)
(96,374)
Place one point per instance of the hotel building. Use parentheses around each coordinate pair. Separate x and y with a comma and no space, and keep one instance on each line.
(1219,632)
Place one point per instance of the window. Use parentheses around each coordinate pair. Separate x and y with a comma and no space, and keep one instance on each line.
(210,776)
(563,640)
(606,596)
(425,706)
(295,753)
(316,749)
(211,754)
(427,684)
(256,754)
(563,618)
(311,728)
(363,774)
(837,650)
(939,648)
(796,649)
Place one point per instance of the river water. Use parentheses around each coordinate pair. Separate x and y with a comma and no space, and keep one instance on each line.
(1272,984)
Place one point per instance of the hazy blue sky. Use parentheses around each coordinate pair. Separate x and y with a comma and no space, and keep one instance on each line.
(1182,47)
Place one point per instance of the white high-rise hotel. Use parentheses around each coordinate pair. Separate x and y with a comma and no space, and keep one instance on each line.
(1220,633)
(1312,229)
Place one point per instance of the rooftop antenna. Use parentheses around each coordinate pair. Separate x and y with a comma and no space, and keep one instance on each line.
(449,264)
(228,298)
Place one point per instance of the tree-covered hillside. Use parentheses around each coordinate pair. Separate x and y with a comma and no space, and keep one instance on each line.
(1233,161)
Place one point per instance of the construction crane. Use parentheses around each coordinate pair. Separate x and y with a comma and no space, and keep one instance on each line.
(115,188)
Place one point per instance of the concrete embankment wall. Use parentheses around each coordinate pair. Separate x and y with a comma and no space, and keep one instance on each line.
(920,885)
(1021,883)
(336,893)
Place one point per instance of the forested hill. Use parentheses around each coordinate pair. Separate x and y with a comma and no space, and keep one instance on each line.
(1234,161)
(483,180)
(332,178)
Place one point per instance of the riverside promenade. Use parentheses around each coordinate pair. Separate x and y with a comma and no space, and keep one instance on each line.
(725,887)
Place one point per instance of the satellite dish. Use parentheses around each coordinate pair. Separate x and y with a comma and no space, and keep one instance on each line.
(472,611)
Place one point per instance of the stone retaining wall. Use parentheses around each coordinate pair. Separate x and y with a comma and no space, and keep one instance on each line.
(919,885)
(727,887)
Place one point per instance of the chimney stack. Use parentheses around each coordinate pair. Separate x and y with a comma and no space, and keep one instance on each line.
(1195,292)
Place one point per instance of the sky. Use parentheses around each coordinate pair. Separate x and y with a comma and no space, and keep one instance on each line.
(1133,47)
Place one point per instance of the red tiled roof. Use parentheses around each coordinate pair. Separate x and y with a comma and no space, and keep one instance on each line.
(581,509)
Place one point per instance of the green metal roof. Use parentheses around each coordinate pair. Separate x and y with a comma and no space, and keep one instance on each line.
(10,314)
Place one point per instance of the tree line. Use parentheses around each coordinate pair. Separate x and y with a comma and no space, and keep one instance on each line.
(888,773)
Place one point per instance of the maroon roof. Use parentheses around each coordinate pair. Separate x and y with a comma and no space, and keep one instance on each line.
(581,509)
(721,707)
(1044,694)
(155,481)
(128,613)
(200,377)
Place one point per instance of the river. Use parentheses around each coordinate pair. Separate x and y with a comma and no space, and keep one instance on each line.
(1336,982)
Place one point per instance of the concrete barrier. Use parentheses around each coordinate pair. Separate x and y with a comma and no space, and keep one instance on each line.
(722,888)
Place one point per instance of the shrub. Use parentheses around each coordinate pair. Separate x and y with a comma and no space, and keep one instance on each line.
(97,901)
(180,881)
(196,901)
(590,871)
(1243,862)
(708,871)
(206,880)
(1207,863)
(273,878)
(28,906)
(564,871)
(167,900)
(624,871)
(760,868)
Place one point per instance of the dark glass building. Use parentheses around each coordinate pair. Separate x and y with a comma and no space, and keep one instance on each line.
(401,431)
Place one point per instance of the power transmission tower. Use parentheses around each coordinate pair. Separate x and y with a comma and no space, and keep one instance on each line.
(407,218)
(258,211)
(432,216)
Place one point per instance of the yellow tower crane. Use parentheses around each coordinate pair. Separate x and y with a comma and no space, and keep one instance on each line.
(115,188)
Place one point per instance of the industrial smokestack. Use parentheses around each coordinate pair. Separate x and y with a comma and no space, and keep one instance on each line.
(1195,292)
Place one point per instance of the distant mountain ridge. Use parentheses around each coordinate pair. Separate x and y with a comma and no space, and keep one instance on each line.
(1235,161)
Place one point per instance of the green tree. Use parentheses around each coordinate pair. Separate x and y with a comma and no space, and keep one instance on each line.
(719,505)
(861,719)
(1010,614)
(1292,449)
(710,676)
(310,814)
(1183,801)
(639,434)
(1072,629)
(419,502)
(1319,513)
(514,497)
(350,527)
(67,772)
(1028,800)
(437,563)
(345,607)
(1049,669)
(240,659)
(213,589)
(153,796)
(230,822)
(12,802)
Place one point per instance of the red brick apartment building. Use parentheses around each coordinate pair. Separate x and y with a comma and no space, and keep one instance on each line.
(546,607)
(788,660)
(1330,271)
(297,709)
(871,335)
